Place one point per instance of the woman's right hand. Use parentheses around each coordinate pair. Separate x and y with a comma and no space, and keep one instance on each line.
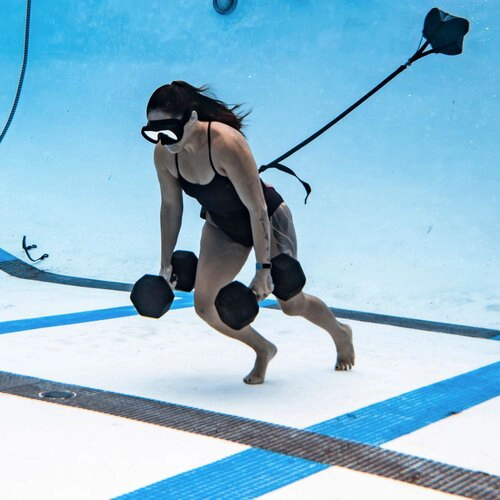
(166,272)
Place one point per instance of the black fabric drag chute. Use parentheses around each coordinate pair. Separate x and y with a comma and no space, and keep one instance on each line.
(442,31)
(445,32)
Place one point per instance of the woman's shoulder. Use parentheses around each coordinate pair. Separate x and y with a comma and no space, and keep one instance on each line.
(230,150)
(225,130)
(225,137)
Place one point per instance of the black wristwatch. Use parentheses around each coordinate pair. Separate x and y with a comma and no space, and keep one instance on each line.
(263,265)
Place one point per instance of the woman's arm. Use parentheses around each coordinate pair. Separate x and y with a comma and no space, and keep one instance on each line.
(171,208)
(232,153)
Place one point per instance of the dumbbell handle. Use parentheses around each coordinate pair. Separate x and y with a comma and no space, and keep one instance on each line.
(184,265)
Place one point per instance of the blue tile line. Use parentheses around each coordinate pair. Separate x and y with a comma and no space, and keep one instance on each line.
(181,302)
(255,472)
(342,313)
(248,474)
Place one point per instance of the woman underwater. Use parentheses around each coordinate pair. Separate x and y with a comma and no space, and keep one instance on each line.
(202,151)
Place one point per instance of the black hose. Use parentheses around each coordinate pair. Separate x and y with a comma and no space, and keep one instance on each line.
(23,69)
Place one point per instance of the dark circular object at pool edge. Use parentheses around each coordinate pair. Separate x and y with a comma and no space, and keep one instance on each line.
(225,7)
(57,395)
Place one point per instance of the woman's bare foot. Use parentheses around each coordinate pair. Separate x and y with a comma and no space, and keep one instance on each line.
(345,348)
(258,374)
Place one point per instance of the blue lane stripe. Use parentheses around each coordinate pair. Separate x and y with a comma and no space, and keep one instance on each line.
(19,269)
(253,473)
(395,417)
(248,474)
(182,301)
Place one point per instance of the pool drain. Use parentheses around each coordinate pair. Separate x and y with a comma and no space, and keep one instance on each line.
(57,395)
(225,7)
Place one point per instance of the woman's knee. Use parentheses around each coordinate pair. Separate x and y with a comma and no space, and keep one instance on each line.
(201,305)
(204,306)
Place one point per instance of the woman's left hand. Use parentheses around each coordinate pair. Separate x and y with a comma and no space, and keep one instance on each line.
(262,284)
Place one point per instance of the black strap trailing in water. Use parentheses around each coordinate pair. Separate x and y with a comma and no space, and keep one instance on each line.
(444,32)
(283,168)
(32,247)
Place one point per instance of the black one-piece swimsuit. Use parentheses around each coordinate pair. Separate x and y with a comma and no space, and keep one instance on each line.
(220,199)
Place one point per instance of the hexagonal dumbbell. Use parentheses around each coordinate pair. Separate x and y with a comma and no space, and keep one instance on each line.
(237,304)
(152,296)
(288,277)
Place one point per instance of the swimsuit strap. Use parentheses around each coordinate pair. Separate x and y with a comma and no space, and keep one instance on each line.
(210,149)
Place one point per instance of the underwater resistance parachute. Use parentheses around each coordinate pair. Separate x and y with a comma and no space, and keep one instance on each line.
(442,31)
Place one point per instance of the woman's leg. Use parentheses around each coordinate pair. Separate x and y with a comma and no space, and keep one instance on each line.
(283,240)
(221,259)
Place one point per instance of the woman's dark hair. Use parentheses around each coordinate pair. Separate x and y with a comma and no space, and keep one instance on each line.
(180,97)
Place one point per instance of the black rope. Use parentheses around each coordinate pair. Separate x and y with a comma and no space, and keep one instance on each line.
(277,162)
(23,69)
(418,55)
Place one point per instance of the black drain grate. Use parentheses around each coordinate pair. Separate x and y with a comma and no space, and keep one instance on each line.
(271,437)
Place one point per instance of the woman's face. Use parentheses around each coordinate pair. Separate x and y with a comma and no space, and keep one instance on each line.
(157,114)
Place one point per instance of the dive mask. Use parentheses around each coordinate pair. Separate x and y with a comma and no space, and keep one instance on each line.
(168,131)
